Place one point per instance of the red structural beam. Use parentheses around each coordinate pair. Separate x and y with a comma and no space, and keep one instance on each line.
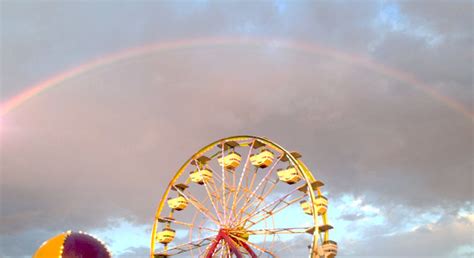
(231,242)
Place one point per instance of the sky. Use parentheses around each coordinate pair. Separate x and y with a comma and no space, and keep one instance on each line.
(376,95)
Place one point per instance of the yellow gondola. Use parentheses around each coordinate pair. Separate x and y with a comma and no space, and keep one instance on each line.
(178,203)
(321,204)
(165,236)
(263,159)
(230,161)
(307,208)
(201,176)
(289,175)
(330,248)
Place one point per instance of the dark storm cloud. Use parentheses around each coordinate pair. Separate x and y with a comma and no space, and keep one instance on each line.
(104,145)
(60,35)
(447,18)
(351,216)
(437,39)
(24,242)
(440,239)
(428,241)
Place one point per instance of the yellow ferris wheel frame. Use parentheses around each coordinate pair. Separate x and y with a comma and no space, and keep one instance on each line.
(313,185)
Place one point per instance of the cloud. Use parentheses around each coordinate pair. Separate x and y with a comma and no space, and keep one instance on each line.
(441,239)
(135,252)
(440,16)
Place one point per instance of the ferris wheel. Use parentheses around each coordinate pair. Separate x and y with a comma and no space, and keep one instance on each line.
(242,196)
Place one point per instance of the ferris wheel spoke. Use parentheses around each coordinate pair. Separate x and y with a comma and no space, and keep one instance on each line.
(200,233)
(275,231)
(191,231)
(218,179)
(254,194)
(266,214)
(247,189)
(284,245)
(271,208)
(273,236)
(264,179)
(220,198)
(211,197)
(234,202)
(261,249)
(244,210)
(249,185)
(187,247)
(218,247)
(182,223)
(263,196)
(223,182)
(200,207)
(212,202)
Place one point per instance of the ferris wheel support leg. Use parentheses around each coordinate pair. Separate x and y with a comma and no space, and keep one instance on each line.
(222,235)
(249,250)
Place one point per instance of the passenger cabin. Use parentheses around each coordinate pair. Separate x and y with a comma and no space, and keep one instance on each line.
(230,161)
(321,204)
(288,175)
(306,206)
(201,176)
(165,236)
(178,203)
(330,249)
(263,159)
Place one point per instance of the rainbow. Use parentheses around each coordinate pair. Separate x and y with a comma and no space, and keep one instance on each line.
(310,48)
